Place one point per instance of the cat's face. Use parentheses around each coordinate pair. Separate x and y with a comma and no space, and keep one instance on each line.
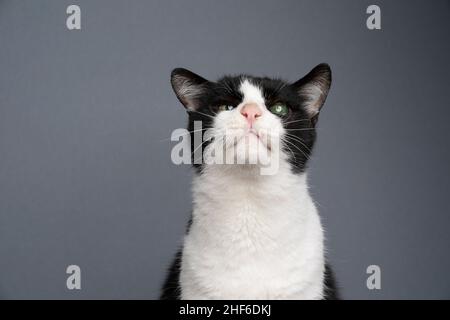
(253,118)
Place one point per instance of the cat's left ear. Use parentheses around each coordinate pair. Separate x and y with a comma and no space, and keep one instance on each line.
(313,89)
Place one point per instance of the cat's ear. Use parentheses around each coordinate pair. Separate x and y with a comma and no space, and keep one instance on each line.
(188,87)
(313,89)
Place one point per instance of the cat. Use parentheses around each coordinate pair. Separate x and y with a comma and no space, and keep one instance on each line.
(253,235)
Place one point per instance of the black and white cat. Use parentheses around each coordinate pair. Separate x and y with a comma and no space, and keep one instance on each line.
(253,235)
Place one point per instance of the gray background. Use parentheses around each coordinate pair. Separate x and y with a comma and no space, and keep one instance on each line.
(85,117)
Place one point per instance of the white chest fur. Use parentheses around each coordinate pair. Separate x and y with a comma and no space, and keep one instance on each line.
(252,237)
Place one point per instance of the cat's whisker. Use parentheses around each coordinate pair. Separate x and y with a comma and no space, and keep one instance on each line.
(292,144)
(301,129)
(290,150)
(295,158)
(207,115)
(210,139)
(298,140)
(213,139)
(289,122)
(295,137)
(184,134)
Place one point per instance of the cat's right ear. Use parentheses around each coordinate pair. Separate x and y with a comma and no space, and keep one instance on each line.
(188,87)
(313,89)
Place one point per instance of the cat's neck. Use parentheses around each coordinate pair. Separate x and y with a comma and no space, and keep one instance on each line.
(229,191)
(252,209)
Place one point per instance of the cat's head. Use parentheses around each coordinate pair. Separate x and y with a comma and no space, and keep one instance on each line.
(253,115)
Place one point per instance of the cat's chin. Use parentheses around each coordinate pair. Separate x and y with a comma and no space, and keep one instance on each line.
(250,149)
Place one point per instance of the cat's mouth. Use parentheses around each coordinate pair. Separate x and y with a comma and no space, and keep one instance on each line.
(253,132)
(252,136)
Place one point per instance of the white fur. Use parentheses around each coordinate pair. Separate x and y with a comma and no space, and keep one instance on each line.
(252,94)
(313,93)
(253,236)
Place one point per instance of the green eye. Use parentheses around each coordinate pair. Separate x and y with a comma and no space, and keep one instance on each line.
(279,109)
(225,108)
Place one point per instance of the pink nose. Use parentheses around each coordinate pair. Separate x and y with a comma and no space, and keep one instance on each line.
(251,111)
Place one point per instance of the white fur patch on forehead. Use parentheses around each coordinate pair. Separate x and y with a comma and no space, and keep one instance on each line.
(252,93)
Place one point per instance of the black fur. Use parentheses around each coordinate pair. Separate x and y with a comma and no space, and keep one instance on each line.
(171,288)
